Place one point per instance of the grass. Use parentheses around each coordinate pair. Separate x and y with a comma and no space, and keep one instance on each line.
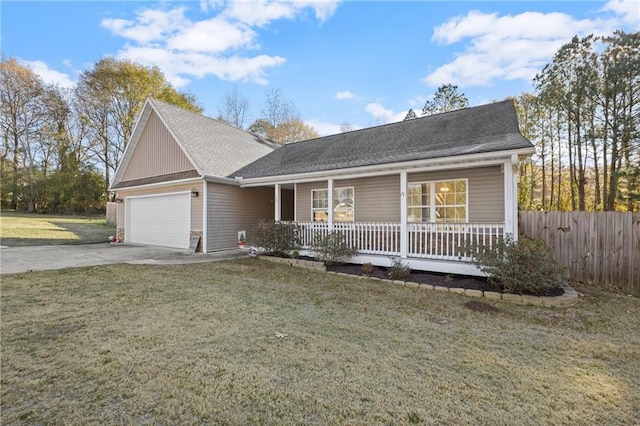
(197,343)
(24,229)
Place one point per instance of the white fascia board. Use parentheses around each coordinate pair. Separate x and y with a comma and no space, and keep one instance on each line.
(224,180)
(158,184)
(433,164)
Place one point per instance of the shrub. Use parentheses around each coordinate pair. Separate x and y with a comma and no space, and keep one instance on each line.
(333,248)
(367,269)
(398,270)
(522,267)
(274,237)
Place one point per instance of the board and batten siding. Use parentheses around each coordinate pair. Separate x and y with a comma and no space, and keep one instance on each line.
(156,153)
(377,199)
(231,209)
(196,202)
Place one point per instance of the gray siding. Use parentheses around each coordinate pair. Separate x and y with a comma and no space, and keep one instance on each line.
(231,209)
(196,202)
(486,190)
(156,153)
(378,198)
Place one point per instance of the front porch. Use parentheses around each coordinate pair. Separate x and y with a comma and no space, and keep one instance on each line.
(438,247)
(431,217)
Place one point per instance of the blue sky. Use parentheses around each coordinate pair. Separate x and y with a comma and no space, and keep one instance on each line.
(361,62)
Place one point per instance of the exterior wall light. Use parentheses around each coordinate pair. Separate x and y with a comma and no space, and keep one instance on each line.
(194,192)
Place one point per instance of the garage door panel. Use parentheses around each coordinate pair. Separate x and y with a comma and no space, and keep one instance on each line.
(162,220)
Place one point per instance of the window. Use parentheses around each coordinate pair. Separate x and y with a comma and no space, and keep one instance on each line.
(342,205)
(443,201)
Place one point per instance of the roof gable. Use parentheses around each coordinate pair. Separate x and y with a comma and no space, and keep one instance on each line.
(214,148)
(156,153)
(476,130)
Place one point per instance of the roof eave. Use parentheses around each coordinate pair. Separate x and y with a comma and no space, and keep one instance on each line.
(441,163)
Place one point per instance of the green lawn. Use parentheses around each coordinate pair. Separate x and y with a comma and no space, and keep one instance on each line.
(22,229)
(193,344)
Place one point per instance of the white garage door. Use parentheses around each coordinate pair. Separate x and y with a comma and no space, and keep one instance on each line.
(159,220)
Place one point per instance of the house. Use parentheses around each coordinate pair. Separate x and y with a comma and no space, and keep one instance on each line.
(421,190)
(174,183)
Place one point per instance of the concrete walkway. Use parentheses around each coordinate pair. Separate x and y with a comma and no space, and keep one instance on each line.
(42,258)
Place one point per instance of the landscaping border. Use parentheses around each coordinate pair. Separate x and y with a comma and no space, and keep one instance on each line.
(569,298)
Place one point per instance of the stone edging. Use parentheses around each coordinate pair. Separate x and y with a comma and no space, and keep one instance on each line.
(308,264)
(569,298)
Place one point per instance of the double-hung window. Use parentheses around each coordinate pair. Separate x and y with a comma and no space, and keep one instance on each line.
(343,203)
(440,201)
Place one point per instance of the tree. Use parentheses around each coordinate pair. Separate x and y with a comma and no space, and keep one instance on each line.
(111,95)
(280,121)
(22,117)
(445,99)
(278,108)
(234,108)
(410,115)
(292,131)
(346,127)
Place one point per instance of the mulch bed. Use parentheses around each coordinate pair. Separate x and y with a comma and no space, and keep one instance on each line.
(433,278)
(422,277)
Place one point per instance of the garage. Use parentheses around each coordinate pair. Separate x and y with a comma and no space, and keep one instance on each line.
(159,220)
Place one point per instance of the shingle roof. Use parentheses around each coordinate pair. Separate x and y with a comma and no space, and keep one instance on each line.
(476,130)
(217,149)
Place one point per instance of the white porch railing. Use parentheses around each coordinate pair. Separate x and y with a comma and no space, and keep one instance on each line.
(451,241)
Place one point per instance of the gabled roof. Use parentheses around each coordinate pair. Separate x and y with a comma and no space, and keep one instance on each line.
(482,129)
(214,148)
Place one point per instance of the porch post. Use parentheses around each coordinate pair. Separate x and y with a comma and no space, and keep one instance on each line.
(276,200)
(330,205)
(404,236)
(511,197)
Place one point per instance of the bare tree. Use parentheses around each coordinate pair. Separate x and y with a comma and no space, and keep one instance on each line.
(234,108)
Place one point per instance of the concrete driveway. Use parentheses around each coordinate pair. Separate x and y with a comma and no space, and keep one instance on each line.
(43,258)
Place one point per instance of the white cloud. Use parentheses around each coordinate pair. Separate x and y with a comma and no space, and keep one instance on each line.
(49,75)
(345,95)
(213,35)
(323,128)
(382,115)
(150,25)
(506,47)
(629,10)
(198,64)
(185,49)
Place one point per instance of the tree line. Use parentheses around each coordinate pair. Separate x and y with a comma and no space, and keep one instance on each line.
(60,147)
(584,118)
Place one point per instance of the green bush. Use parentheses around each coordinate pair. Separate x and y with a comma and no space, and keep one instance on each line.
(522,267)
(274,237)
(398,269)
(333,248)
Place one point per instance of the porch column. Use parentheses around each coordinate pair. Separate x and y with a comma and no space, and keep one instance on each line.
(330,205)
(276,200)
(511,197)
(404,236)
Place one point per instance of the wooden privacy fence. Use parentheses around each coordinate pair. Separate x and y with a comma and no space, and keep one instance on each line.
(601,248)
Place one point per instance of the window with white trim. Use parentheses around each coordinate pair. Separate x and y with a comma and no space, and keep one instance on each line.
(343,205)
(440,201)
